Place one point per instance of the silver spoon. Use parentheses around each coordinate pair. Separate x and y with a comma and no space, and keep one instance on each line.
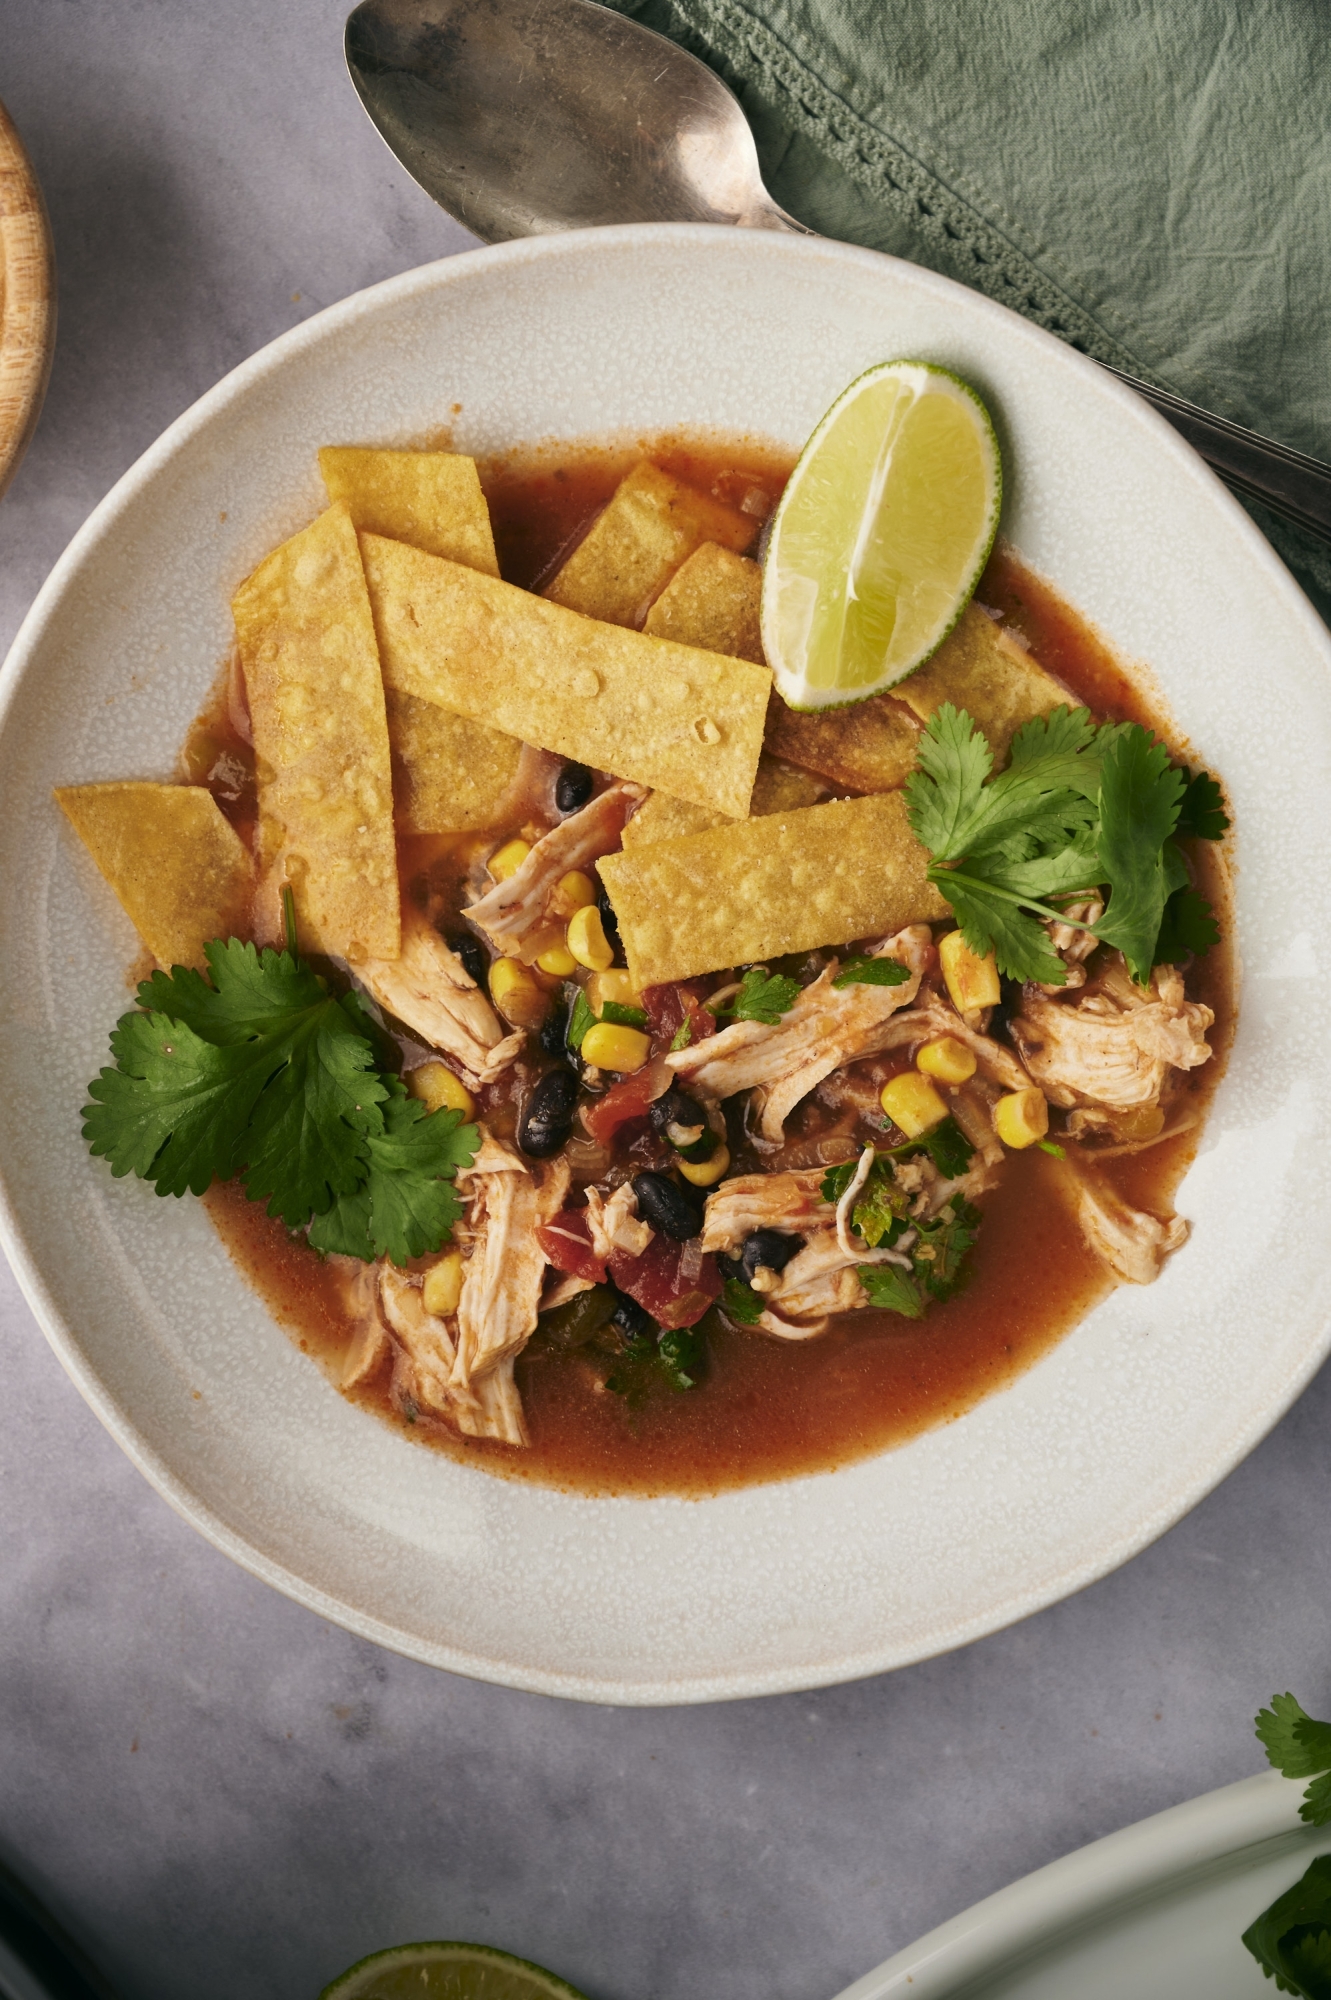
(525,116)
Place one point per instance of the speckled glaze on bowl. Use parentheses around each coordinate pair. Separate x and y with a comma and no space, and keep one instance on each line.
(1090,1455)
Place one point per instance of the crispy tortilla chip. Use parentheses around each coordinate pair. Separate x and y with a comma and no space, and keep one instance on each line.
(635,546)
(823,876)
(316,700)
(450,775)
(869,747)
(432,499)
(181,871)
(712,601)
(981,669)
(686,722)
(777,788)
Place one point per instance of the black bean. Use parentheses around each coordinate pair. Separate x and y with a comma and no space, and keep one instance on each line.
(677,1108)
(573,787)
(609,922)
(554,1033)
(1010,992)
(663,1205)
(768,1250)
(547,1118)
(472,953)
(631,1321)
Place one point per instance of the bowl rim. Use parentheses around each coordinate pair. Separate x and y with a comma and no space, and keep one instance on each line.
(743,1682)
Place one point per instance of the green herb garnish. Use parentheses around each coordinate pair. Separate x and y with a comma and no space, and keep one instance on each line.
(683,1035)
(580,1020)
(1299,1748)
(1291,1941)
(741,1303)
(263,1073)
(622,1016)
(763,996)
(872,972)
(1078,810)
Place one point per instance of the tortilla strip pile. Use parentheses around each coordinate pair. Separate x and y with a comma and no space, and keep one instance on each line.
(791,882)
(981,668)
(450,775)
(683,721)
(712,600)
(181,871)
(777,788)
(316,699)
(638,542)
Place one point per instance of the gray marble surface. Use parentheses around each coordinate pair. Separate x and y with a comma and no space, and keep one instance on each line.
(223,1796)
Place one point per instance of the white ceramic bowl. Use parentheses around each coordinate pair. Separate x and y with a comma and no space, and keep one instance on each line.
(1095,1451)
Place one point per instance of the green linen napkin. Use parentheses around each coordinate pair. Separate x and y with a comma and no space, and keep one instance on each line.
(1149,179)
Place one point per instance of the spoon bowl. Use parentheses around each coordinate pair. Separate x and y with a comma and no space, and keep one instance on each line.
(522,117)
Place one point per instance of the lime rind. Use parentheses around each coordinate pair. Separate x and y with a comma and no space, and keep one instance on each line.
(800,597)
(502,1976)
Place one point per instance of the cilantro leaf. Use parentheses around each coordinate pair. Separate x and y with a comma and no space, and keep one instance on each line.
(1187,929)
(1291,1940)
(579,1021)
(942,1247)
(407,1205)
(948,1147)
(943,795)
(1140,796)
(680,1353)
(892,1290)
(682,1036)
(263,1073)
(622,1016)
(991,919)
(1202,812)
(872,972)
(1298,1746)
(762,996)
(741,1303)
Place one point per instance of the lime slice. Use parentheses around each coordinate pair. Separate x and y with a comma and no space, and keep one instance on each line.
(881,534)
(447,1972)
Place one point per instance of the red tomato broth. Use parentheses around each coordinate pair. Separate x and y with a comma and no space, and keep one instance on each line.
(766,1409)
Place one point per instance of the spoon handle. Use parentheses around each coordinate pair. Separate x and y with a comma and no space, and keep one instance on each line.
(1288,482)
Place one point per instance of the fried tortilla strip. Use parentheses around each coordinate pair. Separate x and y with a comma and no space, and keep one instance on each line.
(777,788)
(311,669)
(980,668)
(869,747)
(687,722)
(181,871)
(450,775)
(793,881)
(636,544)
(432,499)
(712,601)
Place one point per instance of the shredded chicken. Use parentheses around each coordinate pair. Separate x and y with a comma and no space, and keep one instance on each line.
(1115,1044)
(371,1346)
(826,1027)
(1133,1244)
(430,990)
(818,1281)
(501,1284)
(792,1203)
(513,911)
(1073,944)
(613,1222)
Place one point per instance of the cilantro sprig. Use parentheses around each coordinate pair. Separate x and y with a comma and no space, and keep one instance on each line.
(763,996)
(1291,1940)
(872,972)
(881,1216)
(1080,809)
(260,1072)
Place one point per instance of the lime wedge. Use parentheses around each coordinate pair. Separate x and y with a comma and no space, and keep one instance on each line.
(447,1972)
(881,534)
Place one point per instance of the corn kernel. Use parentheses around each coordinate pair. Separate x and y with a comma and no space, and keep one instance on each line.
(443,1285)
(559,961)
(516,994)
(587,939)
(615,986)
(1021,1118)
(911,1102)
(947,1059)
(608,1046)
(706,1173)
(574,891)
(439,1090)
(972,980)
(507,860)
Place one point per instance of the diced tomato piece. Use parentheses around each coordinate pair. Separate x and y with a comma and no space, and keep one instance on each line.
(629,1098)
(668,1007)
(656,1281)
(567,1242)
